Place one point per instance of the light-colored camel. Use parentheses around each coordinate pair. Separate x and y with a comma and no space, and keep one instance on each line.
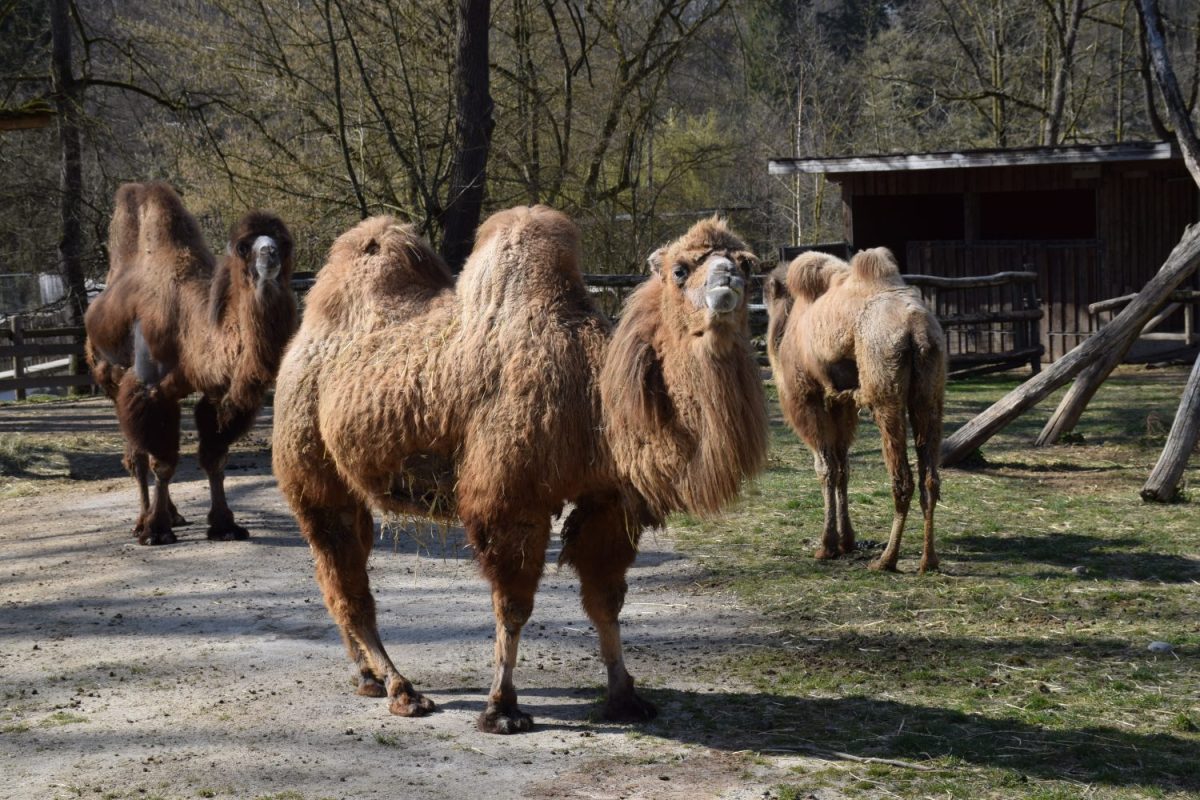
(500,399)
(844,336)
(172,321)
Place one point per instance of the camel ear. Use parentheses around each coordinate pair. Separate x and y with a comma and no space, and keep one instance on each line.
(655,260)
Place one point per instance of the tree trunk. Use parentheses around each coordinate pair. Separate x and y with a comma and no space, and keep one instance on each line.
(1185,134)
(1068,33)
(1179,266)
(1162,485)
(473,133)
(67,101)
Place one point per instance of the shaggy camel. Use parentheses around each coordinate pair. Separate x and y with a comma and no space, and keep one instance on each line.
(843,336)
(499,400)
(172,321)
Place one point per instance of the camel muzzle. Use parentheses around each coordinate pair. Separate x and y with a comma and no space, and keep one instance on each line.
(724,288)
(265,256)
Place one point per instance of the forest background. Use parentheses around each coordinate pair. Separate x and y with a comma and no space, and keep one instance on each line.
(633,116)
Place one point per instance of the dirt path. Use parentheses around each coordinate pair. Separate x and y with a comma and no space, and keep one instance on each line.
(212,669)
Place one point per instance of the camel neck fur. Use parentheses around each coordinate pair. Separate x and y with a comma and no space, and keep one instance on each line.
(685,415)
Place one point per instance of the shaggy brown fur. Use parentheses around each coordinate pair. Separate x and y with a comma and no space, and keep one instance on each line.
(500,399)
(172,321)
(843,336)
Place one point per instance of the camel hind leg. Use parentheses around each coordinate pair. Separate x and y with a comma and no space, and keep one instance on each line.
(600,541)
(890,419)
(925,413)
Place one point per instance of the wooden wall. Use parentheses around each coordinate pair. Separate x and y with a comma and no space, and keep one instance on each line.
(1141,208)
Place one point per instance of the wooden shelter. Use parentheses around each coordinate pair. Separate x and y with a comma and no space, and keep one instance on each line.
(1093,221)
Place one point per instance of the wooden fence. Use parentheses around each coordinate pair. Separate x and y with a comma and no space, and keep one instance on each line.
(46,371)
(1070,275)
(985,336)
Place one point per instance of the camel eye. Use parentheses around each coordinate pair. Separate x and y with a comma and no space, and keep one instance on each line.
(680,272)
(243,248)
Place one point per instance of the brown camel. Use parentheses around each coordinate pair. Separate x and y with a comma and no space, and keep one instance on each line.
(844,336)
(499,400)
(172,321)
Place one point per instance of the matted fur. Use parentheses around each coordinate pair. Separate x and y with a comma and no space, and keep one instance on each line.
(206,325)
(843,336)
(497,401)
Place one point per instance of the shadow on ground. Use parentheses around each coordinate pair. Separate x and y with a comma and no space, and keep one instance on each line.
(870,728)
(1124,558)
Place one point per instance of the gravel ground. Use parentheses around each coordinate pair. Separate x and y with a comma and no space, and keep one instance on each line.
(207,669)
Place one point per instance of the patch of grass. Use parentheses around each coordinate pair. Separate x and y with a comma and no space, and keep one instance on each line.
(1009,672)
(387,740)
(61,718)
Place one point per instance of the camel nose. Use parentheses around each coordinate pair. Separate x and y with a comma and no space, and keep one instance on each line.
(266,257)
(724,288)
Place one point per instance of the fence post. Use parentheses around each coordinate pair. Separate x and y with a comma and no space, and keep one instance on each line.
(18,338)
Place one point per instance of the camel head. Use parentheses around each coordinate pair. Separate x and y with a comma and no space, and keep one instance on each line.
(261,248)
(258,259)
(704,275)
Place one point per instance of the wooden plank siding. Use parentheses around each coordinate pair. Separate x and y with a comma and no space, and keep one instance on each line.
(1141,209)
(1069,278)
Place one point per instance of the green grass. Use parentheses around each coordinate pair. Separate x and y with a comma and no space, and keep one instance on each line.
(1008,674)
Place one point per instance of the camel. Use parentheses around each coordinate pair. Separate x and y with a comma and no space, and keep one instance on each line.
(843,336)
(172,321)
(499,400)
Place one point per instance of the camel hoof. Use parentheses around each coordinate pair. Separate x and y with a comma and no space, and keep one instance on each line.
(629,707)
(150,536)
(228,533)
(177,520)
(929,566)
(410,705)
(371,687)
(825,554)
(496,719)
(883,566)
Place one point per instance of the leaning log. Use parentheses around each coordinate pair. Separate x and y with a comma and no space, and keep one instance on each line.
(1163,484)
(1076,400)
(1178,267)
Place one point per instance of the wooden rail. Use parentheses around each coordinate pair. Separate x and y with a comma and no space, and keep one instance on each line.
(996,319)
(22,377)
(1185,299)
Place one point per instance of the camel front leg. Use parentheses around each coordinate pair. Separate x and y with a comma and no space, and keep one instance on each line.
(335,536)
(600,541)
(215,438)
(845,419)
(511,557)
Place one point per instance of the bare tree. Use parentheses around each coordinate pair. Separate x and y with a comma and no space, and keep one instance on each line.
(473,132)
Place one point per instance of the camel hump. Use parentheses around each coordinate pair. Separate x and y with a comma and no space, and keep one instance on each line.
(519,253)
(379,262)
(810,273)
(876,265)
(150,218)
